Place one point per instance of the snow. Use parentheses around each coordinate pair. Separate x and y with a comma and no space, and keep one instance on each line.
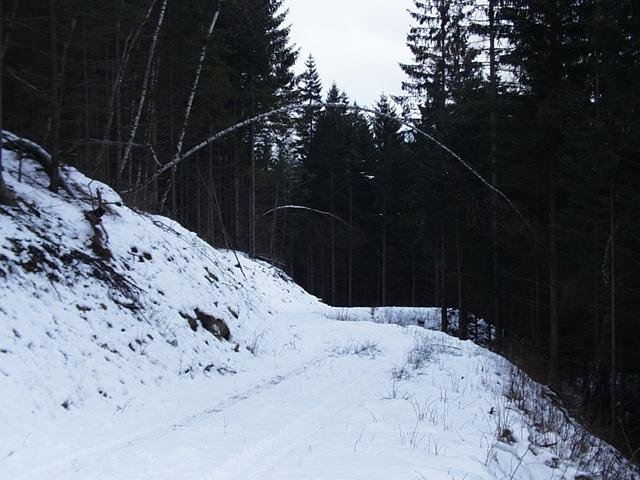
(101,376)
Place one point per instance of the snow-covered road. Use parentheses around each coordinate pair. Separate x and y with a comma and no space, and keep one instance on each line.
(325,408)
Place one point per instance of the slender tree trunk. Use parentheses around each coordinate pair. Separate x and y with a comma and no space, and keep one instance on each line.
(172,176)
(198,201)
(252,153)
(196,78)
(350,279)
(211,180)
(272,240)
(252,199)
(536,293)
(322,277)
(5,196)
(442,99)
(54,120)
(384,249)
(463,326)
(436,276)
(493,120)
(310,261)
(187,114)
(413,272)
(333,243)
(145,86)
(554,329)
(612,267)
(444,318)
(114,107)
(236,206)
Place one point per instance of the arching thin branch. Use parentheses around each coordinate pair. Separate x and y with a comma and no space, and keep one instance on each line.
(354,108)
(308,209)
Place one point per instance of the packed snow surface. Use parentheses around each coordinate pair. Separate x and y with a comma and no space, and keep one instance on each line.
(102,375)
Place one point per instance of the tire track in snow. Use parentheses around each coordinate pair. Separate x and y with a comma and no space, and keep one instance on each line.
(267,452)
(44,468)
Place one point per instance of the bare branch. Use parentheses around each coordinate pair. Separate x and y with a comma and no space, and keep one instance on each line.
(128,47)
(192,94)
(196,80)
(356,108)
(145,85)
(36,91)
(307,209)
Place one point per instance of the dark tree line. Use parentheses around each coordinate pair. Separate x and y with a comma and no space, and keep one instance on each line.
(540,96)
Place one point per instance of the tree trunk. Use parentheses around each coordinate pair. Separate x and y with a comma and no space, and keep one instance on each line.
(196,78)
(236,206)
(612,281)
(272,240)
(413,271)
(384,250)
(350,279)
(554,329)
(211,181)
(172,177)
(463,326)
(493,120)
(5,196)
(252,199)
(310,258)
(333,244)
(444,318)
(145,86)
(54,119)
(187,116)
(436,276)
(536,292)
(114,106)
(85,93)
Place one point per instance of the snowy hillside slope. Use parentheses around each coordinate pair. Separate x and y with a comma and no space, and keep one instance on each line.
(102,375)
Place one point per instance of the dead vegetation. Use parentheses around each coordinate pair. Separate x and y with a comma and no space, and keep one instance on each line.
(555,429)
(100,237)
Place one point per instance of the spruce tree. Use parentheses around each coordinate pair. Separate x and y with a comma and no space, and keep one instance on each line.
(438,43)
(309,92)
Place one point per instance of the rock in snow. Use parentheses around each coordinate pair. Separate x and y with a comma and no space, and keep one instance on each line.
(131,349)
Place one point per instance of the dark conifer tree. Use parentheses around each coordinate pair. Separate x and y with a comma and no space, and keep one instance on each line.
(309,92)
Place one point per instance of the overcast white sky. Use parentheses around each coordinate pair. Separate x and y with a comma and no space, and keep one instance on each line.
(356,43)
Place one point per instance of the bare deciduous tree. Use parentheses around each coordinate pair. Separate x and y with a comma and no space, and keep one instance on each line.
(192,94)
(145,87)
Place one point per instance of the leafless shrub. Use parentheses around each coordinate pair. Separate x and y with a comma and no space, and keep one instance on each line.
(367,348)
(420,353)
(501,420)
(400,371)
(344,315)
(434,447)
(420,409)
(392,390)
(412,437)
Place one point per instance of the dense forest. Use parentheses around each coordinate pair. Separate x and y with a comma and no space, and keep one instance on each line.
(540,97)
